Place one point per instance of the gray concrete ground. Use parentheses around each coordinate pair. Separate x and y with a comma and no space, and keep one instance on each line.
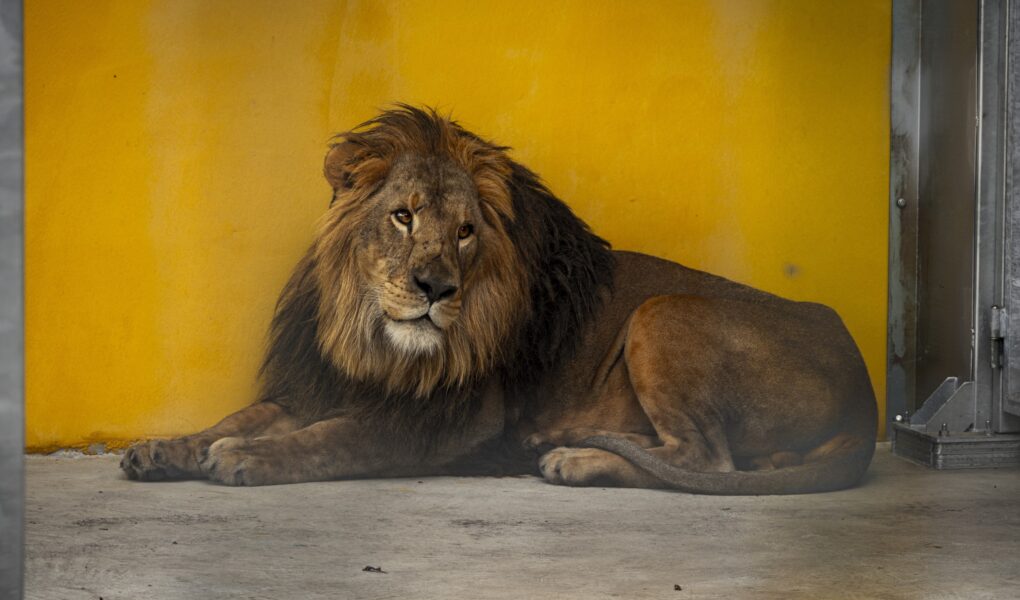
(907,533)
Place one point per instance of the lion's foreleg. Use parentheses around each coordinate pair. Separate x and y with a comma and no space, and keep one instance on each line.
(344,447)
(330,449)
(179,458)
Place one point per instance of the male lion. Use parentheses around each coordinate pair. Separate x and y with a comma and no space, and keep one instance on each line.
(453,316)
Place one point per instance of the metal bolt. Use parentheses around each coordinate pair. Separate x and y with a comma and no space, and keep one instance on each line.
(901,202)
(899,418)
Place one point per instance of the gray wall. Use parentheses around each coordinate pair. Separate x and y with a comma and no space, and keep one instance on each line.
(11,321)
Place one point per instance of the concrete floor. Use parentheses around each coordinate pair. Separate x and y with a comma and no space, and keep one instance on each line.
(907,533)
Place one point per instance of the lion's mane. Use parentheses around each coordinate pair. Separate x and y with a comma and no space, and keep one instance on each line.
(525,305)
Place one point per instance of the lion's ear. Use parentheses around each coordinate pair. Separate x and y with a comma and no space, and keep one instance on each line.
(338,166)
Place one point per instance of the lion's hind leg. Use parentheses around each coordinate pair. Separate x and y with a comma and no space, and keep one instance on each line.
(560,463)
(678,394)
(597,467)
(179,458)
(594,467)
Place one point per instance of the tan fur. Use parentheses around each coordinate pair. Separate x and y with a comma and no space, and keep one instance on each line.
(667,377)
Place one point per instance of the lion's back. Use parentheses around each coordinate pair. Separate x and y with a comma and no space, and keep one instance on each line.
(641,276)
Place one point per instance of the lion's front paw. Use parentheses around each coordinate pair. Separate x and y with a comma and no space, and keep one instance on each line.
(230,461)
(577,466)
(160,459)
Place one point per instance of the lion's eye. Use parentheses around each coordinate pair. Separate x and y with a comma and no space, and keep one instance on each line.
(465,231)
(403,216)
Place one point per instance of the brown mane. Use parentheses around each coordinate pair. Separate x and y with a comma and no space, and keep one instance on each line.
(525,305)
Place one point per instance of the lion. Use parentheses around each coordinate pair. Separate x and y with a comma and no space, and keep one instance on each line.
(452,316)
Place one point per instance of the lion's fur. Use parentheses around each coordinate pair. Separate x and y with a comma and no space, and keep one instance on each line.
(403,345)
(532,291)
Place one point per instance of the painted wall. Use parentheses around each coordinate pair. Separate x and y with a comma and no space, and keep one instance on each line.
(173,153)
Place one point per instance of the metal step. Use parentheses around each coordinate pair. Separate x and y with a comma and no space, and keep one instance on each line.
(964,450)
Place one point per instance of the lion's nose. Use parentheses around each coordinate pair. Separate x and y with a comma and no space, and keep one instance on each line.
(435,289)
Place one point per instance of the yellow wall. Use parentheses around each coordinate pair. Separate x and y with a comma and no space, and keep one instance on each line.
(173,153)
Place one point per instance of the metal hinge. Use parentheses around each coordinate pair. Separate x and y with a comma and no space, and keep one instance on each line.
(999,326)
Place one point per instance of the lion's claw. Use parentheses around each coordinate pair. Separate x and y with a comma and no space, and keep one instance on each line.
(139,463)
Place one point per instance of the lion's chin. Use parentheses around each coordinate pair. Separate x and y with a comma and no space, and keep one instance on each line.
(417,336)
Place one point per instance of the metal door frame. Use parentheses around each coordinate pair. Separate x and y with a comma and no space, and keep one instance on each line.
(1008,405)
(904,167)
(978,403)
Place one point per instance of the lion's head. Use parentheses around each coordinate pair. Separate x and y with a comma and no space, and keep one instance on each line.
(439,261)
(420,283)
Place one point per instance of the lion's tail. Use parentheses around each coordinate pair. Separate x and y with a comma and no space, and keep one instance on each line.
(840,469)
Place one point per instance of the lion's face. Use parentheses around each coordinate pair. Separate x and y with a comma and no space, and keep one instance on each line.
(421,236)
(419,283)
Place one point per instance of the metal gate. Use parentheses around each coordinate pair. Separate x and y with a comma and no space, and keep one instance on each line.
(954,233)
